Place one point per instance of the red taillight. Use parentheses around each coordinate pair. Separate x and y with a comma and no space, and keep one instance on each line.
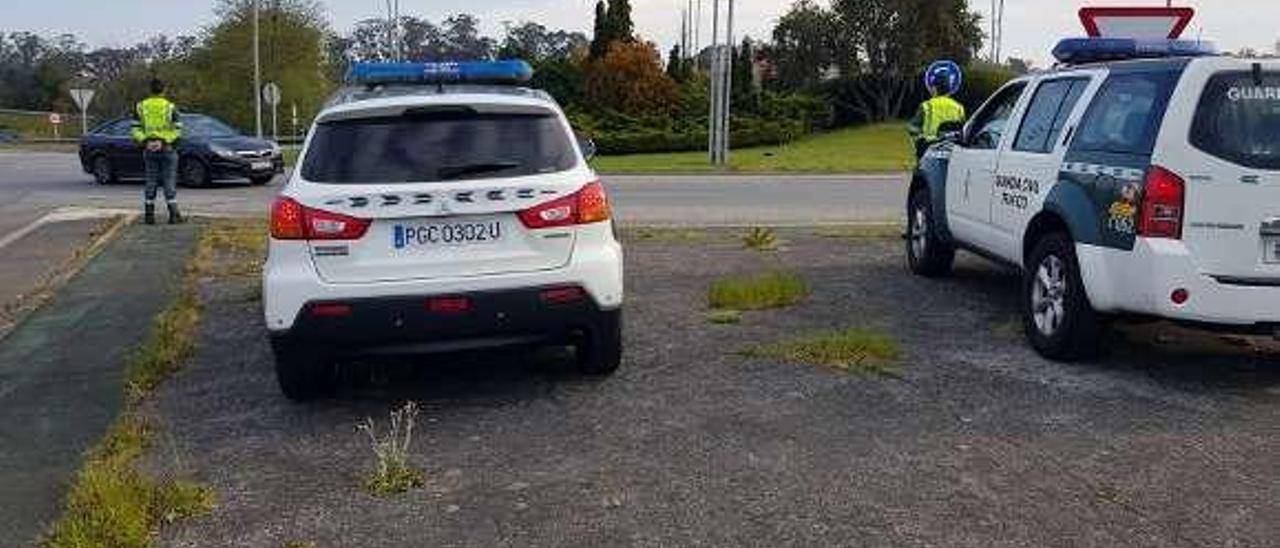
(588,205)
(449,305)
(330,310)
(291,220)
(563,295)
(288,220)
(1163,205)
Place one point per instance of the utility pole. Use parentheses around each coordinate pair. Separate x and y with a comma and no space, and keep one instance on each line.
(726,127)
(1000,40)
(257,73)
(713,122)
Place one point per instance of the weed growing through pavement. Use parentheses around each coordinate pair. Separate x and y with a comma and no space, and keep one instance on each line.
(725,317)
(392,473)
(771,290)
(761,239)
(850,350)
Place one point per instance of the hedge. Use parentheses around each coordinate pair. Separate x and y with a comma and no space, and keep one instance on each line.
(747,132)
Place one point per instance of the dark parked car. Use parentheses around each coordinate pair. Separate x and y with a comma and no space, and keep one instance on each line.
(208,151)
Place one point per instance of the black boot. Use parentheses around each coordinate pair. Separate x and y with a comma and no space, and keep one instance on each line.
(175,217)
(149,216)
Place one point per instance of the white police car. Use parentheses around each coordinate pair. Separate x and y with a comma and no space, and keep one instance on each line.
(1137,178)
(434,210)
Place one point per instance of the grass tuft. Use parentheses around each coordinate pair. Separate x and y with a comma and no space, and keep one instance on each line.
(772,290)
(392,473)
(866,231)
(760,239)
(725,317)
(661,235)
(851,350)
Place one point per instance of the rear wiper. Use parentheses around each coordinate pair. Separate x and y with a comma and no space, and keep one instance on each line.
(453,172)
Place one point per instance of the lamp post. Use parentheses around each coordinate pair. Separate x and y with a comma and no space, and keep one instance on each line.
(257,74)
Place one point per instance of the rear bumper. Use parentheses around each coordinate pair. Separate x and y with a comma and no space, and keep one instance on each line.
(407,325)
(290,281)
(1142,281)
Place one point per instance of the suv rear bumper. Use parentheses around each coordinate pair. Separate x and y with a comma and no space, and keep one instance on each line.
(290,281)
(1142,281)
(408,325)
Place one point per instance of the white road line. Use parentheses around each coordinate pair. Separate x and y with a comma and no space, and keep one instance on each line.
(62,215)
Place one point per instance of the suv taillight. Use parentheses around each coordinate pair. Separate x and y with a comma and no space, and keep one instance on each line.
(1163,205)
(291,220)
(587,205)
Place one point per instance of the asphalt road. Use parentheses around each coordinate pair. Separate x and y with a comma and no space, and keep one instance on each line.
(975,441)
(35,182)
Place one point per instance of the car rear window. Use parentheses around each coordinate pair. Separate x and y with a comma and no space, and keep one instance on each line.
(438,144)
(1126,114)
(1238,119)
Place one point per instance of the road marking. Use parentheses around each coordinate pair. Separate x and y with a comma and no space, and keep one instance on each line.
(62,215)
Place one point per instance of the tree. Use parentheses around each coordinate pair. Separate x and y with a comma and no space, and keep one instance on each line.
(462,39)
(630,79)
(675,64)
(884,45)
(802,49)
(620,25)
(600,37)
(218,76)
(537,44)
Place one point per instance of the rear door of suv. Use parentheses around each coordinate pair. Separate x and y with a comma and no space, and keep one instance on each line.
(1222,137)
(438,190)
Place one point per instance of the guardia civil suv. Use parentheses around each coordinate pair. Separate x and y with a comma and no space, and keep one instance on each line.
(1136,178)
(434,210)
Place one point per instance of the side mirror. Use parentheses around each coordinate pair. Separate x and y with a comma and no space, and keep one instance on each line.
(587,146)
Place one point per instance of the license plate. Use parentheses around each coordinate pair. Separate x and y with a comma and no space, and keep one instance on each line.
(409,236)
(1271,250)
(260,166)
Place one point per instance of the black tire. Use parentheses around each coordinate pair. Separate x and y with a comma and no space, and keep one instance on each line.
(599,352)
(102,172)
(193,173)
(927,254)
(304,375)
(262,179)
(1067,328)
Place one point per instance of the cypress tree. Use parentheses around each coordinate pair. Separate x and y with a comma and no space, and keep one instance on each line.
(620,25)
(600,41)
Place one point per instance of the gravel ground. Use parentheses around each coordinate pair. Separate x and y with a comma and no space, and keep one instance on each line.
(975,442)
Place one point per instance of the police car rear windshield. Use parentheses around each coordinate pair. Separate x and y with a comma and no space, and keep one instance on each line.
(436,145)
(1239,119)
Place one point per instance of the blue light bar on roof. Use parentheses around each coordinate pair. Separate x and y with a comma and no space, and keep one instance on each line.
(509,72)
(1092,50)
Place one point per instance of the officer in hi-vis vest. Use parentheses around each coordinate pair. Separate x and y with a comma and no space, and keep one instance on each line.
(943,79)
(157,129)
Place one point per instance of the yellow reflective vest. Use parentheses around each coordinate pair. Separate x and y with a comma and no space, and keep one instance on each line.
(157,120)
(937,111)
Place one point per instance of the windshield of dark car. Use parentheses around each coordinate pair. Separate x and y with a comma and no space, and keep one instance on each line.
(204,126)
(438,146)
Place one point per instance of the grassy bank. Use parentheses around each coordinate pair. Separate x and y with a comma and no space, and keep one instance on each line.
(113,503)
(867,149)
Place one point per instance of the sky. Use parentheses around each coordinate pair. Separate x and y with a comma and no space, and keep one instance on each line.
(1031,26)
